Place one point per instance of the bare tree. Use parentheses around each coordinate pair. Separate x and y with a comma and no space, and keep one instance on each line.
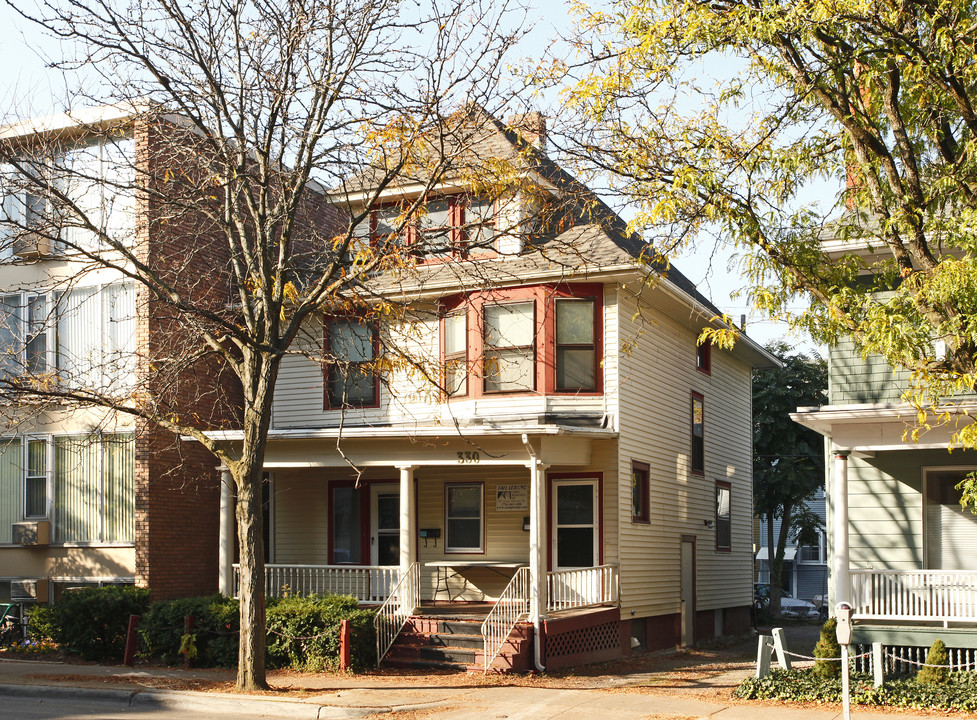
(248,122)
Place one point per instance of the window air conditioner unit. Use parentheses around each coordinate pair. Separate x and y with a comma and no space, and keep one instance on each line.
(31,245)
(29,590)
(36,532)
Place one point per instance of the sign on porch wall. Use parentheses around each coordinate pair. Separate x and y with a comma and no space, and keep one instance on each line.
(512,498)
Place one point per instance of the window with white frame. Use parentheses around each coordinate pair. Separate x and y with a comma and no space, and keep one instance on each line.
(813,554)
(84,484)
(24,330)
(463,517)
(72,199)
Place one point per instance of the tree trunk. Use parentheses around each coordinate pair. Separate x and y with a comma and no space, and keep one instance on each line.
(249,477)
(774,566)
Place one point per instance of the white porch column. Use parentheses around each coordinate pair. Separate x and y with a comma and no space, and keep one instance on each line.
(408,518)
(537,541)
(839,512)
(225,551)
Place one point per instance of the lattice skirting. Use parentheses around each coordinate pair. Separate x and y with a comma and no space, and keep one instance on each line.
(583,639)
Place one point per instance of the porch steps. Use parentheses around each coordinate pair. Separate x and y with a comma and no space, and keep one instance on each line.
(452,644)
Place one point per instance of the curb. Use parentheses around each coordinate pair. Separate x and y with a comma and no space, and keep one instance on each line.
(190,701)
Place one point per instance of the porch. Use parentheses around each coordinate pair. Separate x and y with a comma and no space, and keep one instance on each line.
(577,602)
(947,598)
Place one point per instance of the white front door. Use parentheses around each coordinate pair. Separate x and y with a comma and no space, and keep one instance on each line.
(384,524)
(576,525)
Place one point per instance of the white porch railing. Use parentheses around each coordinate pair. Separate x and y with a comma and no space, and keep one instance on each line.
(404,597)
(581,587)
(511,607)
(367,583)
(915,595)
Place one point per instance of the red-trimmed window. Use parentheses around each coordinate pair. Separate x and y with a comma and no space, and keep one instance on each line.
(703,357)
(576,344)
(509,347)
(698,464)
(456,353)
(724,535)
(352,345)
(640,492)
(542,338)
(452,225)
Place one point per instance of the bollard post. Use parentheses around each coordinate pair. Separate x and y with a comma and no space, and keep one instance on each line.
(780,645)
(132,640)
(764,649)
(345,643)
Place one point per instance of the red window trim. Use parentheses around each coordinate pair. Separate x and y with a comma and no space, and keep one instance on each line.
(364,486)
(326,404)
(544,296)
(645,517)
(723,484)
(703,357)
(457,229)
(550,477)
(692,468)
(482,518)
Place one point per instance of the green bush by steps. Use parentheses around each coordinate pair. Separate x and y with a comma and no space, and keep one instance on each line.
(91,622)
(959,693)
(303,633)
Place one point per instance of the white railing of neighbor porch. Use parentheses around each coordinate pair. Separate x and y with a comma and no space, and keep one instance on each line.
(367,583)
(581,587)
(511,607)
(390,619)
(919,595)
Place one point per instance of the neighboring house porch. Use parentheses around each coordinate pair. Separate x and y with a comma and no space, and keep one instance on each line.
(902,551)
(506,520)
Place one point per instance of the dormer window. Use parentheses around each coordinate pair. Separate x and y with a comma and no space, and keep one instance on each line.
(452,225)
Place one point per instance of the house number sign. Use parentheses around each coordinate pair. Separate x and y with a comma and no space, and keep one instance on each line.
(512,498)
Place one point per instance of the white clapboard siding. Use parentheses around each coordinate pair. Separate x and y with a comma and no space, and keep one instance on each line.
(657,378)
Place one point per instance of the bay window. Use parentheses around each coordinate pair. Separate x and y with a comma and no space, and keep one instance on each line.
(509,347)
(456,354)
(540,338)
(351,380)
(576,355)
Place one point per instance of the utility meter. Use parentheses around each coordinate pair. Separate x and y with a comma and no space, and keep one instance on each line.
(843,616)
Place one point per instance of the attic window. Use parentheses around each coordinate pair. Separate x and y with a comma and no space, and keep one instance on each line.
(452,225)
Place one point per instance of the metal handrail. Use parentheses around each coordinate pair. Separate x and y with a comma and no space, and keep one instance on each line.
(511,607)
(397,609)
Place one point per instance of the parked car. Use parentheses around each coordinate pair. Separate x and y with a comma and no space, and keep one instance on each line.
(789,605)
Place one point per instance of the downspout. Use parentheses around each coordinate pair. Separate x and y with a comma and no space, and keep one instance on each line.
(535,551)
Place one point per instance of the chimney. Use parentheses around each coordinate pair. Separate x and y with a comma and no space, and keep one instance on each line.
(531,127)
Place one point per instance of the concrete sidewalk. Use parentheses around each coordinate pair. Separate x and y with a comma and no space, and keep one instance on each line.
(331,696)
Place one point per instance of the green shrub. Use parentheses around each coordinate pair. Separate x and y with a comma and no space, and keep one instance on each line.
(959,693)
(40,622)
(303,633)
(93,622)
(826,649)
(936,671)
(215,630)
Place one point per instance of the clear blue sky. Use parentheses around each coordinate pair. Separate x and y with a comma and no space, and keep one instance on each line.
(27,88)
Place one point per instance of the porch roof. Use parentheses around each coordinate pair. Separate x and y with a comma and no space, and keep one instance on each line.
(417,431)
(868,428)
(427,445)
